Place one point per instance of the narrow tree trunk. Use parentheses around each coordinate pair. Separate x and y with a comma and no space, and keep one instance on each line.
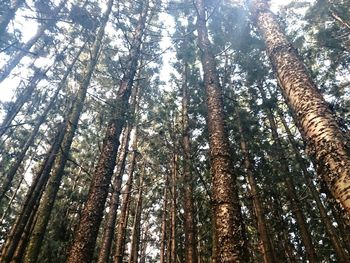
(135,235)
(173,209)
(164,230)
(9,15)
(230,239)
(49,197)
(86,234)
(290,188)
(326,142)
(12,171)
(266,246)
(31,199)
(336,243)
(144,243)
(124,212)
(190,233)
(24,50)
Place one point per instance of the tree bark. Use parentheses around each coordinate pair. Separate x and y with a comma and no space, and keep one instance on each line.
(173,209)
(87,230)
(230,239)
(326,142)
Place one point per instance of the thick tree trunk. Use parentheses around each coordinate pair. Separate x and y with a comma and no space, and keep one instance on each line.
(9,15)
(266,246)
(24,50)
(230,239)
(48,199)
(86,233)
(290,188)
(336,243)
(12,171)
(32,197)
(164,230)
(190,233)
(326,142)
(108,232)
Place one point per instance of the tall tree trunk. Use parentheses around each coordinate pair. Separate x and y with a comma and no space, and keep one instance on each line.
(124,212)
(9,15)
(290,188)
(49,196)
(266,246)
(108,232)
(190,233)
(136,231)
(173,208)
(336,243)
(230,239)
(13,169)
(24,50)
(32,197)
(164,229)
(86,233)
(326,142)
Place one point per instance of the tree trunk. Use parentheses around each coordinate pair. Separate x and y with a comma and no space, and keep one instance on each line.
(266,246)
(108,232)
(31,200)
(230,239)
(341,254)
(9,15)
(86,233)
(24,50)
(48,199)
(173,209)
(290,188)
(190,233)
(164,230)
(326,142)
(12,171)
(124,212)
(135,235)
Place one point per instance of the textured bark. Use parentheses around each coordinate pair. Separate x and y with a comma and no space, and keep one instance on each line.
(326,142)
(290,188)
(9,14)
(190,233)
(164,230)
(32,197)
(49,196)
(85,236)
(266,245)
(18,160)
(341,254)
(230,239)
(24,50)
(136,229)
(108,232)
